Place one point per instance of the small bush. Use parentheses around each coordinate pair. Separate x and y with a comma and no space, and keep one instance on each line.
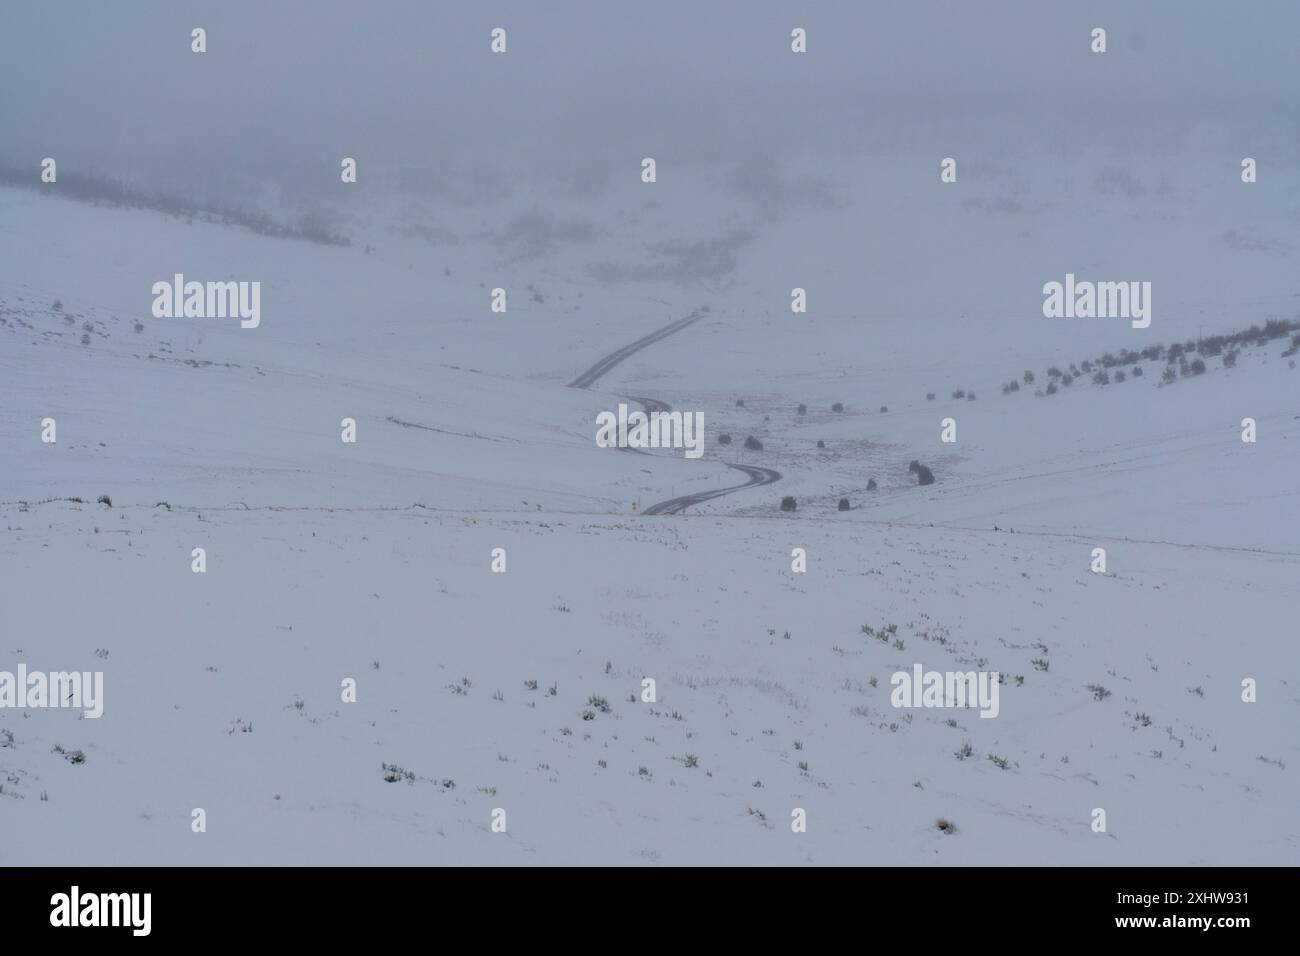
(820,443)
(753,444)
(1102,377)
(724,439)
(1051,388)
(883,409)
(924,476)
(1229,359)
(871,484)
(844,504)
(740,403)
(929,396)
(1169,374)
(104,500)
(788,503)
(393,773)
(803,409)
(1119,375)
(58,305)
(1029,378)
(1198,367)
(837,407)
(1137,371)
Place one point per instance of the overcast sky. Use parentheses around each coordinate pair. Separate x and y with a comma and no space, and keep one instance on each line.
(411,84)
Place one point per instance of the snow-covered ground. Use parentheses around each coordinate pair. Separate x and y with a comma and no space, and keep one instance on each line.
(521,691)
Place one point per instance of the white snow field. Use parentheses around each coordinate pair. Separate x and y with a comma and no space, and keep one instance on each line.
(521,691)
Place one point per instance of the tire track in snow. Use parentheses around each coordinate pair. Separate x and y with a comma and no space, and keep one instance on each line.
(597,371)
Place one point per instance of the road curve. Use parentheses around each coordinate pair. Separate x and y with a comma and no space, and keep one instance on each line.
(675,506)
(651,404)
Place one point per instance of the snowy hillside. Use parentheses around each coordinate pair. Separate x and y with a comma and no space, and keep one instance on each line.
(363,584)
(522,690)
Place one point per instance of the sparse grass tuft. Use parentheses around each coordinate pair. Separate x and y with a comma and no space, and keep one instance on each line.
(71,756)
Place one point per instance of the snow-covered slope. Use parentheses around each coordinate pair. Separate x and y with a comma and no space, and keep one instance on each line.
(522,690)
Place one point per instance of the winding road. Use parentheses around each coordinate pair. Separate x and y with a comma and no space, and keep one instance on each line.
(675,506)
(757,476)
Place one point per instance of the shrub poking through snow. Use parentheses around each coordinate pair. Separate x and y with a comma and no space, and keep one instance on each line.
(788,503)
(837,407)
(844,504)
(924,476)
(724,439)
(871,484)
(753,444)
